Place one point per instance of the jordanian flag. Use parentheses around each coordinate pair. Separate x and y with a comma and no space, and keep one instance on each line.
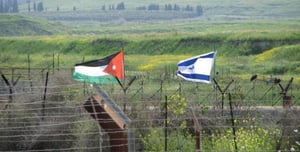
(101,71)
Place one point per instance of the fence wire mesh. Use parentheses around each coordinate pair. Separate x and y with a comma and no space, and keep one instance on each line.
(240,116)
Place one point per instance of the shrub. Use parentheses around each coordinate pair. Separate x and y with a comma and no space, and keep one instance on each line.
(177,141)
(248,139)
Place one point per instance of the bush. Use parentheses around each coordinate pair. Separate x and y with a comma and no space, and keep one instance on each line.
(177,141)
(251,139)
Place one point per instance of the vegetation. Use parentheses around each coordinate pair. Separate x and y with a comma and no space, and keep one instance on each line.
(250,139)
(177,141)
(253,138)
(213,7)
(249,37)
(152,53)
(15,25)
(9,6)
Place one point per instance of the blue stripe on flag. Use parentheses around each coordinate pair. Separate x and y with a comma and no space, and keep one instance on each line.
(191,61)
(188,62)
(194,76)
(210,55)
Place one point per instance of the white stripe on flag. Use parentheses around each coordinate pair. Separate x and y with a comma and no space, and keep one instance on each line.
(91,71)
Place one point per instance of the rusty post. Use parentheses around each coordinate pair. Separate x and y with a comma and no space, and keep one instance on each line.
(166,123)
(287,101)
(197,131)
(198,141)
(232,123)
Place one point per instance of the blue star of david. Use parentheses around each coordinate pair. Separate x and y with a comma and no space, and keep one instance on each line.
(191,67)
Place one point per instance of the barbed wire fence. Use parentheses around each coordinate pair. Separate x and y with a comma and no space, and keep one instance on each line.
(43,111)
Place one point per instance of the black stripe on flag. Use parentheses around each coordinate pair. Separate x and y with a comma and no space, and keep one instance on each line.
(98,62)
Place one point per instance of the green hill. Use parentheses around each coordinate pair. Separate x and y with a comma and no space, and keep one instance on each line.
(96,14)
(15,25)
(229,44)
(227,27)
(290,52)
(239,54)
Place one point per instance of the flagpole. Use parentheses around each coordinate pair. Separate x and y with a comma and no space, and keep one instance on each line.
(215,86)
(123,63)
(124,90)
(215,53)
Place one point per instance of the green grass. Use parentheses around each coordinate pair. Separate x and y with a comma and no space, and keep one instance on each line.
(290,52)
(245,46)
(239,51)
(120,26)
(16,25)
(239,43)
(263,38)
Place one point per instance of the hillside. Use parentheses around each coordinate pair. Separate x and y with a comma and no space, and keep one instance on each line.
(15,25)
(42,108)
(156,52)
(83,17)
(238,33)
(82,13)
(229,44)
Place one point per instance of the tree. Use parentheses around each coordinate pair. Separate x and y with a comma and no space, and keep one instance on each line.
(168,7)
(176,7)
(40,7)
(121,6)
(15,7)
(153,7)
(1,6)
(6,6)
(111,7)
(34,6)
(29,9)
(188,8)
(199,10)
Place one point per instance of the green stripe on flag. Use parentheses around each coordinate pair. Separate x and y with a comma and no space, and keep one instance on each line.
(105,79)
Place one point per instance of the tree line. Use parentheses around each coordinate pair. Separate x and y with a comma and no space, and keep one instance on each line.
(150,7)
(36,7)
(157,7)
(9,6)
(12,6)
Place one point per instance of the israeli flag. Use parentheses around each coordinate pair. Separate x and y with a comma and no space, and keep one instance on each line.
(197,69)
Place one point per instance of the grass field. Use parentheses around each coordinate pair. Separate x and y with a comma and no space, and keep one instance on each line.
(250,37)
(261,38)
(217,15)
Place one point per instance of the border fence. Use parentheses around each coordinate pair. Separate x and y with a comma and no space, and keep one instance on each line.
(43,110)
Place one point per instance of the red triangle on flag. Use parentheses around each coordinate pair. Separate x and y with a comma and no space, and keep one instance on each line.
(116,66)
